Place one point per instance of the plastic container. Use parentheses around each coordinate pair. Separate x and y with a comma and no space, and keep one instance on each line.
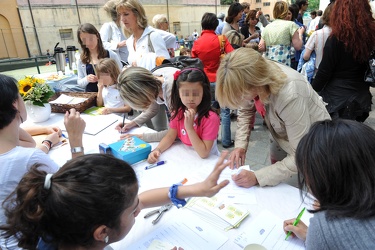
(131,150)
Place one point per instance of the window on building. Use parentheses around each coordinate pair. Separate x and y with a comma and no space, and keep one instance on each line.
(258,1)
(66,34)
(266,4)
(176,26)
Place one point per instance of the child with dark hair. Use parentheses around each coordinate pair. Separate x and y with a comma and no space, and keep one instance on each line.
(16,159)
(193,121)
(89,203)
(342,182)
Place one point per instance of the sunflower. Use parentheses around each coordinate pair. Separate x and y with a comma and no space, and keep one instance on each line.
(26,85)
(35,90)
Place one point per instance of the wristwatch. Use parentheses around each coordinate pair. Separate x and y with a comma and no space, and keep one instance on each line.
(76,150)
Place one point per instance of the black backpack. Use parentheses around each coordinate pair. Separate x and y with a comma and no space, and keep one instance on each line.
(180,62)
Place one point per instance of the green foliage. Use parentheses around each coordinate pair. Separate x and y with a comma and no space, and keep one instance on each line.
(313,5)
(226,2)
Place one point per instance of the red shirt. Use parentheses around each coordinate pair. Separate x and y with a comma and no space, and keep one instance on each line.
(207,49)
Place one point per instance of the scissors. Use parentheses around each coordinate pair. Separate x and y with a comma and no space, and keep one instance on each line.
(159,211)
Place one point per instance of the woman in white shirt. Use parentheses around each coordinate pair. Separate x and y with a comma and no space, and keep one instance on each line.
(318,39)
(112,35)
(145,45)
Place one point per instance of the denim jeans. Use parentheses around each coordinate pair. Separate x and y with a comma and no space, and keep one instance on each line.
(225,127)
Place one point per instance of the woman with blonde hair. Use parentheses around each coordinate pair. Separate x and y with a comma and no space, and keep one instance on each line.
(290,107)
(279,35)
(112,34)
(145,45)
(142,90)
(235,38)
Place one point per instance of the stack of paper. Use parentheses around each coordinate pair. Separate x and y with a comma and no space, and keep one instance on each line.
(65,99)
(218,212)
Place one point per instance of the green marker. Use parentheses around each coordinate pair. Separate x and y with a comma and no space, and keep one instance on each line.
(295,223)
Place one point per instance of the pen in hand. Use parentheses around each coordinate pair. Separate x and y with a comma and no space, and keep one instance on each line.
(123,123)
(295,223)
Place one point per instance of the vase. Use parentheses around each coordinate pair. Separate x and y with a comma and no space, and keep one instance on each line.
(38,113)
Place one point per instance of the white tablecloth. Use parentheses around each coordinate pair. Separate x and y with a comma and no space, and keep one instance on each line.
(283,201)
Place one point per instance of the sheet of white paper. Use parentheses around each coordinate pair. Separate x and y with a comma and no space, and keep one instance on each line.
(63,99)
(186,231)
(267,230)
(159,245)
(95,124)
(234,193)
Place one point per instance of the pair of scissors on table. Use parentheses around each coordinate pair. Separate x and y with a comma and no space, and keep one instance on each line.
(160,211)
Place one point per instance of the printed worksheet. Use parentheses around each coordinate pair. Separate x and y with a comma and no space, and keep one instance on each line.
(188,232)
(267,230)
(232,192)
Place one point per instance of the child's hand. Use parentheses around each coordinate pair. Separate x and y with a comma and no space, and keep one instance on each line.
(53,129)
(123,136)
(153,156)
(105,111)
(189,118)
(100,85)
(53,137)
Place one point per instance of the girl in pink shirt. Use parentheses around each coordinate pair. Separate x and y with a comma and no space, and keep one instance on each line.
(193,121)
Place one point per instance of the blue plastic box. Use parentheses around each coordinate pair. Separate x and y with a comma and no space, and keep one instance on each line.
(131,150)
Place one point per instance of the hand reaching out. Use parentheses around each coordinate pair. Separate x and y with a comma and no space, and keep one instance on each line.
(237,158)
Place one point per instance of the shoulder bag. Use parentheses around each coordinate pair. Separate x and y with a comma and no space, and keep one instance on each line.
(370,72)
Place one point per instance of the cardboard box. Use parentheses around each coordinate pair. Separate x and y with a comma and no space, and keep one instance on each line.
(131,150)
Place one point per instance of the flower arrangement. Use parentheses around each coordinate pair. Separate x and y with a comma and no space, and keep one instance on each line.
(35,90)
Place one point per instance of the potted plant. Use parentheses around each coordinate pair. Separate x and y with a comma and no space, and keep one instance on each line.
(36,93)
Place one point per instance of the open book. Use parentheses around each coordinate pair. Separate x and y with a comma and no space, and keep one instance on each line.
(218,212)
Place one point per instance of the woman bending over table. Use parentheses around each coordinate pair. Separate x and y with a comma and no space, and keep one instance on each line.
(285,99)
(144,91)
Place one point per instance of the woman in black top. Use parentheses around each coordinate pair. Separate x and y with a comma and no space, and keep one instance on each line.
(339,79)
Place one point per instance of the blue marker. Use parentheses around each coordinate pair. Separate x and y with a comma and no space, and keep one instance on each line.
(156,164)
(62,134)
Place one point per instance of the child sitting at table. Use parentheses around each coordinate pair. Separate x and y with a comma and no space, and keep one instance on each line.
(193,121)
(108,94)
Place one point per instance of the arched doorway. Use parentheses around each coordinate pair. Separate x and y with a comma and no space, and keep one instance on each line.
(7,45)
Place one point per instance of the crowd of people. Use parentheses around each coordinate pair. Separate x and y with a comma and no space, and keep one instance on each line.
(315,125)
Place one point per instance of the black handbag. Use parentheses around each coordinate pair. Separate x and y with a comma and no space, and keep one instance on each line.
(180,62)
(370,71)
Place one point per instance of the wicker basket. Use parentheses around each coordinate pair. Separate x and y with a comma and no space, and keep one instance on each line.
(62,108)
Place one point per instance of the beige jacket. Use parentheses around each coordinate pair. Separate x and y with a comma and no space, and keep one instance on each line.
(289,116)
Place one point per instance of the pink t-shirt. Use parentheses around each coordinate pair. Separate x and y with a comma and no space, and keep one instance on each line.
(207,131)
